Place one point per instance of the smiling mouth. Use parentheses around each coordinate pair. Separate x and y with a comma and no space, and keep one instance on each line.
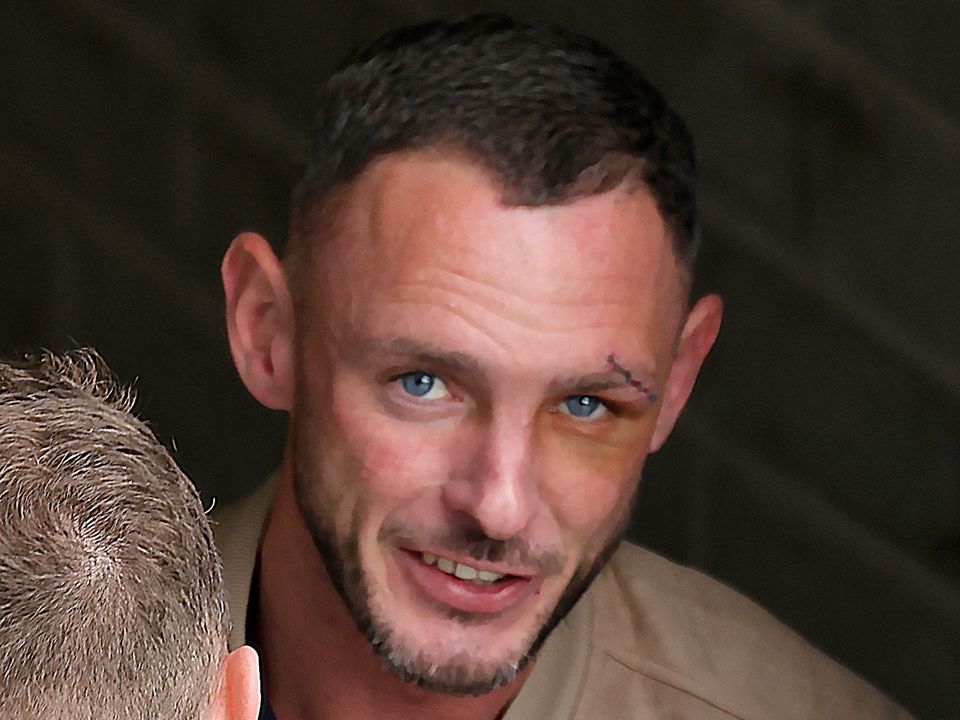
(480,589)
(461,570)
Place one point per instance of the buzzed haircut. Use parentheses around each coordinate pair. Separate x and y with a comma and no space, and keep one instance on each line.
(553,115)
(111,596)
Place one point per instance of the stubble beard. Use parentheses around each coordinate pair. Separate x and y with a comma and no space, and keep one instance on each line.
(460,676)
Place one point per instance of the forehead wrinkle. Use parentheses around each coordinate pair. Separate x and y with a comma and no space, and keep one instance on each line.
(644,368)
(456,276)
(517,311)
(600,266)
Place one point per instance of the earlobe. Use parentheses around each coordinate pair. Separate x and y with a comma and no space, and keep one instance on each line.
(241,686)
(698,335)
(259,319)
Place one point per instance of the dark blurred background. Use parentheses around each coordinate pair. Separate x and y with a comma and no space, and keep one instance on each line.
(818,466)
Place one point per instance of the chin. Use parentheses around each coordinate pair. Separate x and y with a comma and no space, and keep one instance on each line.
(470,654)
(448,654)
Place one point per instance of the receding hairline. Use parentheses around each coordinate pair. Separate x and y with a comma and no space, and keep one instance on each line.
(319,220)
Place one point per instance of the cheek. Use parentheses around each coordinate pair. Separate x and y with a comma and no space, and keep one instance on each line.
(391,461)
(589,485)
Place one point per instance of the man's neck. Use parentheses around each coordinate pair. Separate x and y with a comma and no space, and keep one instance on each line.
(315,662)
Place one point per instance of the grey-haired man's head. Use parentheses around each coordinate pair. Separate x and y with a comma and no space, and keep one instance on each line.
(111,597)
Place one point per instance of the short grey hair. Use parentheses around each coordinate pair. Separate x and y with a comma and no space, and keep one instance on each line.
(111,595)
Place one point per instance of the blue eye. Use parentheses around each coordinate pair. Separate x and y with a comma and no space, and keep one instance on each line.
(421,384)
(584,406)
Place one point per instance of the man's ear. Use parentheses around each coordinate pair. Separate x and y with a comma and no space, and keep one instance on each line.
(699,333)
(259,319)
(239,695)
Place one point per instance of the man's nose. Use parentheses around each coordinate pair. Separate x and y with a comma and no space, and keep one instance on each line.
(495,484)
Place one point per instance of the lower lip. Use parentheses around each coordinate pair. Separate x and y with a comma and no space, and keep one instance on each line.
(465,595)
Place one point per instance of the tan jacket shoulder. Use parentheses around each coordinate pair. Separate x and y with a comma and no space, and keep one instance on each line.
(237,529)
(673,640)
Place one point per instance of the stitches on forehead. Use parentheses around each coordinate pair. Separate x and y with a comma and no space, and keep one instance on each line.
(629,379)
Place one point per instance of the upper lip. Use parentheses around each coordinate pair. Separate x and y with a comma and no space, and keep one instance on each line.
(521,572)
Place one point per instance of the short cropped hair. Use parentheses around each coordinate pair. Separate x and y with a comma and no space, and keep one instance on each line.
(553,115)
(111,596)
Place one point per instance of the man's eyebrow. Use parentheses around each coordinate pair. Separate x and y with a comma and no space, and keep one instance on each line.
(418,351)
(612,379)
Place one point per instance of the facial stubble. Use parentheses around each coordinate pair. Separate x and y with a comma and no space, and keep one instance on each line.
(461,675)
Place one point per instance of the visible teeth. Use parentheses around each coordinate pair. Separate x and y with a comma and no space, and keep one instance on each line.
(464,572)
(487,576)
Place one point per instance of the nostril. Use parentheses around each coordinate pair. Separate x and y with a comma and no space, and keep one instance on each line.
(459,496)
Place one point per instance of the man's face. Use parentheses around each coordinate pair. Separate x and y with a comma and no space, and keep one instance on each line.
(477,390)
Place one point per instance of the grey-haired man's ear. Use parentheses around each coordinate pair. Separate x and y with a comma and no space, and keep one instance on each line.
(239,695)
